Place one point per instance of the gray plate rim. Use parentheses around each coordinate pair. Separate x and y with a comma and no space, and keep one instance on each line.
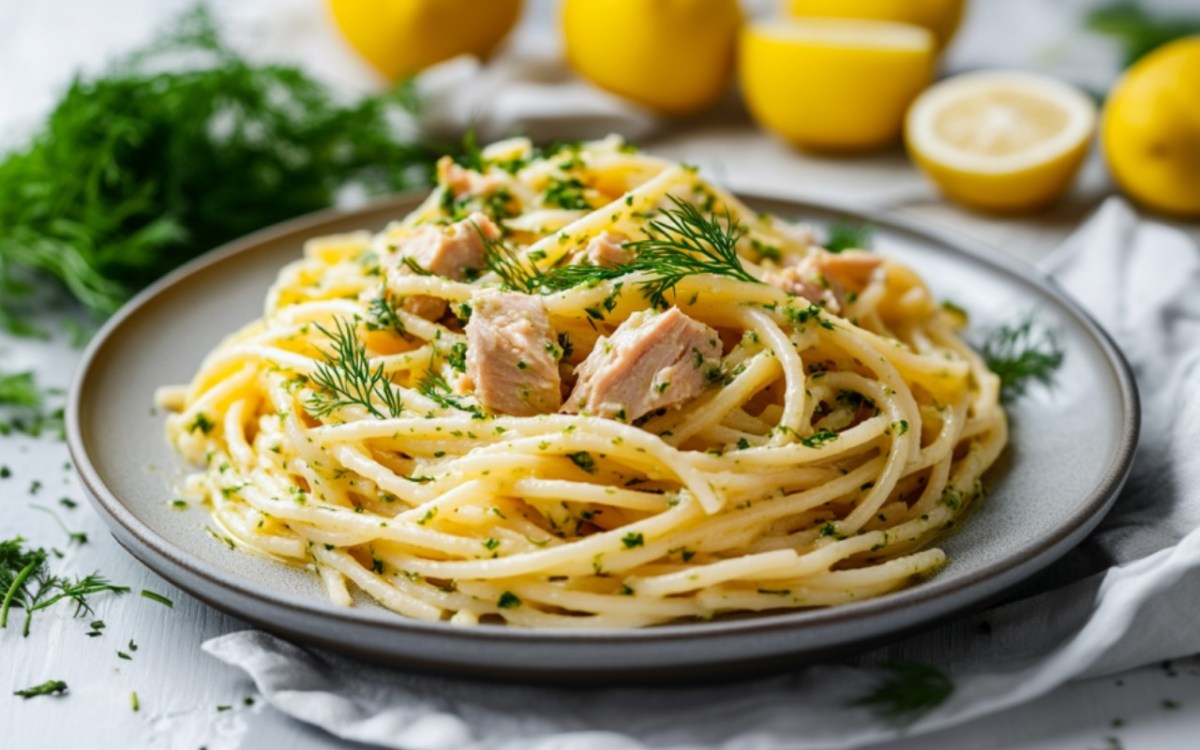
(1019,564)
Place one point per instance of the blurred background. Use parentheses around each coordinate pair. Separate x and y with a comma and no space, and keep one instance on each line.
(172,138)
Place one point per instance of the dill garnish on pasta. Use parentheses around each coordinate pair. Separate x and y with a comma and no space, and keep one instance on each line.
(584,387)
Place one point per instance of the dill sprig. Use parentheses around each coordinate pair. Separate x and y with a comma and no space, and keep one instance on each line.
(435,388)
(27,583)
(908,692)
(1021,353)
(506,263)
(346,377)
(23,404)
(681,242)
(848,235)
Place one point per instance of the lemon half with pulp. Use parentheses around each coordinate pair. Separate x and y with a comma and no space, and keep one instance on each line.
(1001,140)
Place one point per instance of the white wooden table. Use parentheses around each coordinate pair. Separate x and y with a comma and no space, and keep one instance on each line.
(189,700)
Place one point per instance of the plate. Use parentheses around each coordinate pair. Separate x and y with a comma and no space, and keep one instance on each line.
(1070,452)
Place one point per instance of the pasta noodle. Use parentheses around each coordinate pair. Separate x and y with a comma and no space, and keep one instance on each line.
(704,411)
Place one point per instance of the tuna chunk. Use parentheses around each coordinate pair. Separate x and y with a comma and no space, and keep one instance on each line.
(652,361)
(454,251)
(824,278)
(605,250)
(512,354)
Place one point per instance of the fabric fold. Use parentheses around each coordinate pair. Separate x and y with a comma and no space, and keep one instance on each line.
(1131,596)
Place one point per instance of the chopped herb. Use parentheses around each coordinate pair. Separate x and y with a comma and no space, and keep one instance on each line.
(907,692)
(819,438)
(435,388)
(568,194)
(633,539)
(491,543)
(583,460)
(134,703)
(49,687)
(383,315)
(202,423)
(158,598)
(508,600)
(848,235)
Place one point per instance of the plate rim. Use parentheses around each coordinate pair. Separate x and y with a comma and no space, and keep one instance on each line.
(121,519)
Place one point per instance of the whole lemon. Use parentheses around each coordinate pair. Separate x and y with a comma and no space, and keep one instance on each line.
(672,56)
(942,17)
(833,84)
(1151,129)
(400,37)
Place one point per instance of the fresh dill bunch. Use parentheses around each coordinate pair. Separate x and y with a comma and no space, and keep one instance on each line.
(681,242)
(435,388)
(848,235)
(1021,353)
(909,691)
(151,162)
(1137,30)
(27,583)
(346,377)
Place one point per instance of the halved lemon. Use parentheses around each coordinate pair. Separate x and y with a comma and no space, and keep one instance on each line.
(833,83)
(1001,140)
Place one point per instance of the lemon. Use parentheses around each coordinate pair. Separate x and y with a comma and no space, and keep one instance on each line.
(941,17)
(999,140)
(672,56)
(400,37)
(834,84)
(1151,129)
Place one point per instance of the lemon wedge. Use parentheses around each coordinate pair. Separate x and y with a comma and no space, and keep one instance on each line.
(999,140)
(834,84)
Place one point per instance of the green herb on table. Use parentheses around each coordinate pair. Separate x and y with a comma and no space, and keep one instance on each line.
(23,407)
(27,583)
(346,378)
(77,537)
(158,598)
(848,235)
(150,163)
(907,692)
(1021,353)
(1138,31)
(49,687)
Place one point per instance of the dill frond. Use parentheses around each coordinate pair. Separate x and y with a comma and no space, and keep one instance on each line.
(346,377)
(27,583)
(682,242)
(1021,353)
(512,269)
(908,692)
(435,388)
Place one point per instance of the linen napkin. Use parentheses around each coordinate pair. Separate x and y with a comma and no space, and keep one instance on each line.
(1127,596)
(527,91)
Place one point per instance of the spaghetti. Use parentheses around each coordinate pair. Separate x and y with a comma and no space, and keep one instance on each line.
(586,388)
